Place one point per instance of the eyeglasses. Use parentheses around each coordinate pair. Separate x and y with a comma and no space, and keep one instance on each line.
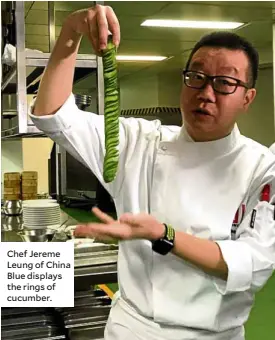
(220,84)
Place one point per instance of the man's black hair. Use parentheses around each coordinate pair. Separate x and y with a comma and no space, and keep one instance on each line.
(231,41)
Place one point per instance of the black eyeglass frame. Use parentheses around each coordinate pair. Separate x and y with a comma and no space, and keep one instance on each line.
(211,79)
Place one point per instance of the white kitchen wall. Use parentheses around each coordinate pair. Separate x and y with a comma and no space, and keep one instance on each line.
(139,91)
(28,154)
(169,88)
(258,123)
(36,152)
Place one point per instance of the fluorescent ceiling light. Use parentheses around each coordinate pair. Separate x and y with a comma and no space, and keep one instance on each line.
(192,24)
(140,58)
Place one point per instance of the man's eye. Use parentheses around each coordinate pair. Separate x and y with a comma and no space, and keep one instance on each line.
(225,82)
(197,77)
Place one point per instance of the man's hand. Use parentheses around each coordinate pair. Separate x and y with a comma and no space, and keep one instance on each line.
(57,81)
(95,23)
(128,227)
(204,254)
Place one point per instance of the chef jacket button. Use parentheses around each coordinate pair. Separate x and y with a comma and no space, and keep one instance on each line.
(163,148)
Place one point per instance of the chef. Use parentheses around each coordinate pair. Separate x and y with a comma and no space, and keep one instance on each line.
(194,203)
(272,148)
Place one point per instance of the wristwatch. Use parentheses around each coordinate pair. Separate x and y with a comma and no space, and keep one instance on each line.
(164,245)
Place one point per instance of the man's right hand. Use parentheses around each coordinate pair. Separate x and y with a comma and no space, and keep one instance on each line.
(57,82)
(95,23)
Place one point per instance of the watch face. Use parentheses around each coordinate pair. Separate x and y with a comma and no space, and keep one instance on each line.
(163,246)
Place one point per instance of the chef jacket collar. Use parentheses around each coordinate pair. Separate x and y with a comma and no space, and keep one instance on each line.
(217,147)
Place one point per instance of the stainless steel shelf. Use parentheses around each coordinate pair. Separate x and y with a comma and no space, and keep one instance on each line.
(8,78)
(41,60)
(13,133)
(21,127)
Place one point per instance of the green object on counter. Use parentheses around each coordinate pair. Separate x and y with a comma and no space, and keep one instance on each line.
(83,216)
(112,286)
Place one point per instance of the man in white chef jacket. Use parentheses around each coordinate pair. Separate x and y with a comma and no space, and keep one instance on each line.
(194,202)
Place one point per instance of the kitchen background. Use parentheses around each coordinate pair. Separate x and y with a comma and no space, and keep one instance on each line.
(152,84)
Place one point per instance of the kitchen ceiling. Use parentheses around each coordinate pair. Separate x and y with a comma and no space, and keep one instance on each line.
(173,42)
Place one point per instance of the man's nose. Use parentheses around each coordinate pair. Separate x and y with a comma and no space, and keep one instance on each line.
(207,93)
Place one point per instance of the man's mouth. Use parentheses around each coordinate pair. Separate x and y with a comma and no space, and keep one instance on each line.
(202,112)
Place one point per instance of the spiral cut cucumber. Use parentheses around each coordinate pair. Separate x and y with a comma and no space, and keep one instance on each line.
(111,113)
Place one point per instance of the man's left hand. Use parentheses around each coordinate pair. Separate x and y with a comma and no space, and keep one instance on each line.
(128,227)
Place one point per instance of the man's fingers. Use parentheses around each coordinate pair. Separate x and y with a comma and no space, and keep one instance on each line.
(102,25)
(101,22)
(85,231)
(93,34)
(102,216)
(129,218)
(113,24)
(82,230)
(99,230)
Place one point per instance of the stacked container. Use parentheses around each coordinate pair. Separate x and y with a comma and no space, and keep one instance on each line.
(29,185)
(12,186)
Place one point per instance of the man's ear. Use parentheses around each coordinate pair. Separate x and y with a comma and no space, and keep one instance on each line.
(249,97)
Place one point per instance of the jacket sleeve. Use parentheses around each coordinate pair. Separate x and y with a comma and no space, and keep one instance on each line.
(82,134)
(251,257)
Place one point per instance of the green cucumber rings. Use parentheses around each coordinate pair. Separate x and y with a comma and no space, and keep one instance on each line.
(111,112)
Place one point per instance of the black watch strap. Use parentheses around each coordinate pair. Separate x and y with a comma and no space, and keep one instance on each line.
(164,245)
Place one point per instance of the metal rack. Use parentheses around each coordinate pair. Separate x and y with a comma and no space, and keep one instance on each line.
(22,126)
(95,264)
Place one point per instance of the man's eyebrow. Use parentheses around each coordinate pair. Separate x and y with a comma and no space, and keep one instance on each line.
(230,68)
(198,64)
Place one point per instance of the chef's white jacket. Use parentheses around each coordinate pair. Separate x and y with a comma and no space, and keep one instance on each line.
(272,148)
(207,189)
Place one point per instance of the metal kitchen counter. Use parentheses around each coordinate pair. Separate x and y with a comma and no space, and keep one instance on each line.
(93,265)
(11,226)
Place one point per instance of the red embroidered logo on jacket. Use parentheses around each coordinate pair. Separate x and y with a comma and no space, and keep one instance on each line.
(239,216)
(237,220)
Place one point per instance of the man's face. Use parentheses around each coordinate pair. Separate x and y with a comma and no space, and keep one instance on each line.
(209,115)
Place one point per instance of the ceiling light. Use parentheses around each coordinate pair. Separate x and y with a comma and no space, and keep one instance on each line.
(139,58)
(192,24)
